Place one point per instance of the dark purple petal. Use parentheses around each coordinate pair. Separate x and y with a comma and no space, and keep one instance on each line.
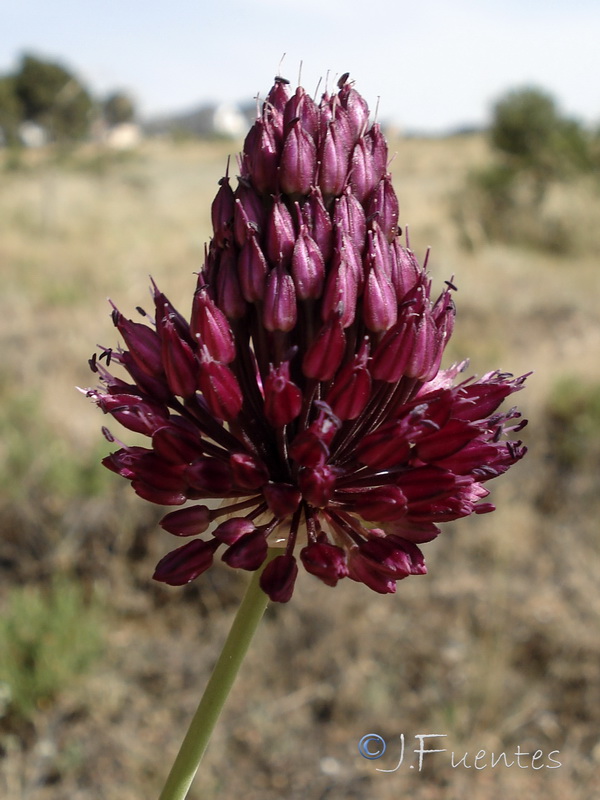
(298,161)
(326,561)
(190,521)
(247,552)
(283,398)
(278,578)
(182,565)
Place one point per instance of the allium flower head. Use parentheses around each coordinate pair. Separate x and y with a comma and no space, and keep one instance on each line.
(305,390)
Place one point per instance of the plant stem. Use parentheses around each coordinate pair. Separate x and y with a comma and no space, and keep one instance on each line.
(223,676)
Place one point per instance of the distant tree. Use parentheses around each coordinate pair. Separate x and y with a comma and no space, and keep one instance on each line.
(529,130)
(53,97)
(11,112)
(118,108)
(535,147)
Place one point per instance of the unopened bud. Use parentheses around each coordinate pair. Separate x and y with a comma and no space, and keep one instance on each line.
(219,387)
(283,399)
(212,328)
(190,521)
(322,359)
(278,578)
(279,312)
(182,565)
(308,268)
(325,560)
(298,161)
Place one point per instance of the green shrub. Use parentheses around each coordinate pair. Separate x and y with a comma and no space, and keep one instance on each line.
(573,419)
(35,460)
(531,134)
(535,152)
(48,638)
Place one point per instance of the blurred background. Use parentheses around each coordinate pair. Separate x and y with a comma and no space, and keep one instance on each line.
(116,122)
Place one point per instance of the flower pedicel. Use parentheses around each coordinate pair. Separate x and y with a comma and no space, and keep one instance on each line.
(305,390)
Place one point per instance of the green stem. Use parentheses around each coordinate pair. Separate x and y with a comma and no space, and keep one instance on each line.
(223,676)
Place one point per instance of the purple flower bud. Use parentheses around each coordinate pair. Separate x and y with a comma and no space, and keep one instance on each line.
(355,106)
(219,387)
(182,565)
(283,399)
(446,441)
(393,352)
(278,578)
(143,344)
(333,160)
(363,176)
(123,461)
(229,294)
(424,348)
(325,354)
(310,448)
(298,161)
(230,531)
(151,469)
(261,152)
(326,561)
(253,269)
(210,476)
(378,149)
(478,400)
(382,503)
(282,498)
(179,361)
(210,325)
(383,206)
(341,290)
(380,309)
(351,388)
(318,222)
(279,94)
(248,552)
(365,570)
(166,310)
(178,442)
(135,413)
(386,446)
(155,494)
(281,236)
(301,106)
(317,484)
(248,214)
(279,312)
(247,471)
(190,521)
(349,218)
(325,115)
(222,212)
(395,556)
(308,267)
(405,270)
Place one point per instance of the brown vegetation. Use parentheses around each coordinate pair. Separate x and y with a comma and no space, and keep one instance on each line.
(497,647)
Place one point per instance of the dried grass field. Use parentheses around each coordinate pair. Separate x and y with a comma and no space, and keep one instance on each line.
(497,648)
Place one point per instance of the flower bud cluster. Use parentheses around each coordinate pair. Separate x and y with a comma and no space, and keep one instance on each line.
(305,389)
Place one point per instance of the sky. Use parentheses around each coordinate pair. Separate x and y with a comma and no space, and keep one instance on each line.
(430,66)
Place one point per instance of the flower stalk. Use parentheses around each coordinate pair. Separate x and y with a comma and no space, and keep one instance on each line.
(192,749)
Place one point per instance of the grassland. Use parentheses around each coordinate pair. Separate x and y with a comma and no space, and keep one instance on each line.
(497,648)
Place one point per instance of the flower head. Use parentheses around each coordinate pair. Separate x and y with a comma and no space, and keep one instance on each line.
(305,391)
